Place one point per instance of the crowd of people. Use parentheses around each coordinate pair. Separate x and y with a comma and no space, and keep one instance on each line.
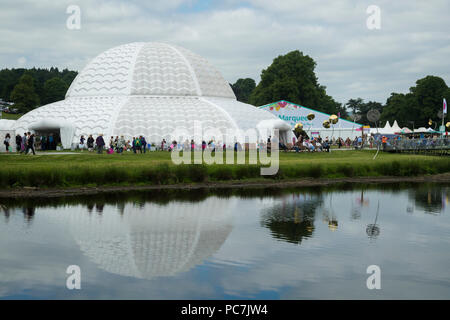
(115,145)
(318,144)
(140,145)
(28,143)
(24,144)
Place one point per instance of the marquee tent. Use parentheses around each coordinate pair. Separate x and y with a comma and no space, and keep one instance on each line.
(293,113)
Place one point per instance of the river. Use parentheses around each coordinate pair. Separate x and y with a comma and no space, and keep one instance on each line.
(313,243)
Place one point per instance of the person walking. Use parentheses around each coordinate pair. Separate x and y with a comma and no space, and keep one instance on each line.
(23,145)
(51,141)
(81,145)
(18,142)
(30,143)
(6,142)
(384,142)
(111,145)
(134,144)
(138,145)
(43,142)
(143,143)
(121,145)
(90,143)
(100,143)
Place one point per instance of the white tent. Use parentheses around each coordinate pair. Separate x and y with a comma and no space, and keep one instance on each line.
(156,90)
(386,130)
(406,130)
(421,130)
(7,126)
(395,127)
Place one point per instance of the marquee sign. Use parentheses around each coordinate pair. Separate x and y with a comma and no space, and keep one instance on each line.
(293,113)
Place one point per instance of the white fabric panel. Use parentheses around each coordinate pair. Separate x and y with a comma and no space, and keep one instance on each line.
(211,82)
(160,70)
(87,115)
(245,115)
(159,117)
(107,74)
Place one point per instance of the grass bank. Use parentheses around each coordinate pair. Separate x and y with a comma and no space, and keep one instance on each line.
(156,168)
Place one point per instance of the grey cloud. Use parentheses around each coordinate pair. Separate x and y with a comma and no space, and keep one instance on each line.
(242,38)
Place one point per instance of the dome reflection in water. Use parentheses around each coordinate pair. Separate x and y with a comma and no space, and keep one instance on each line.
(146,241)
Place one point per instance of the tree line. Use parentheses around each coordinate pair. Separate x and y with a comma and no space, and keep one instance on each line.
(31,88)
(291,77)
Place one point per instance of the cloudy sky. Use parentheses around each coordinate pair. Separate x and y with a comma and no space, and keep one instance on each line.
(243,37)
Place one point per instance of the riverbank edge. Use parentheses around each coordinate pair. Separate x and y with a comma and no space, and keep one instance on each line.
(33,192)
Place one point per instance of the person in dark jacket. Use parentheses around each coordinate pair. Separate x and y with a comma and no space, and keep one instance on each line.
(18,142)
(90,143)
(7,141)
(30,143)
(43,142)
(143,143)
(100,143)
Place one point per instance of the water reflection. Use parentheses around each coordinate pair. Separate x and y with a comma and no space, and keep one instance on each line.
(28,214)
(431,199)
(146,241)
(373,229)
(224,244)
(293,218)
(361,202)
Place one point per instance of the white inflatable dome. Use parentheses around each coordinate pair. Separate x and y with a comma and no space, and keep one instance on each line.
(148,89)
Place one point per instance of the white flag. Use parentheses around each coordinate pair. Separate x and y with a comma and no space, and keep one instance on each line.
(445,107)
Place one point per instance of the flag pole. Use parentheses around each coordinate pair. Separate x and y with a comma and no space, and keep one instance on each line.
(444,112)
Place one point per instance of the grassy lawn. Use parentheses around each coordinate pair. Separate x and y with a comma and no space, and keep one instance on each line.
(128,159)
(10,116)
(157,168)
(93,159)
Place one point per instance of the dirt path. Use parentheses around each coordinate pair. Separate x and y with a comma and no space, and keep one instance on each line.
(50,193)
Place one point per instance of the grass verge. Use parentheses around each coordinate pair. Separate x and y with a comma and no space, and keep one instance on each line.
(157,169)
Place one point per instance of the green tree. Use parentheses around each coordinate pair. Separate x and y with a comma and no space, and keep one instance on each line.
(291,77)
(54,90)
(24,95)
(9,78)
(243,89)
(401,107)
(423,102)
(359,107)
(429,92)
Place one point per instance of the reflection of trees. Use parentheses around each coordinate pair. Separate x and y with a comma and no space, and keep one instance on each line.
(28,214)
(293,219)
(430,198)
(5,211)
